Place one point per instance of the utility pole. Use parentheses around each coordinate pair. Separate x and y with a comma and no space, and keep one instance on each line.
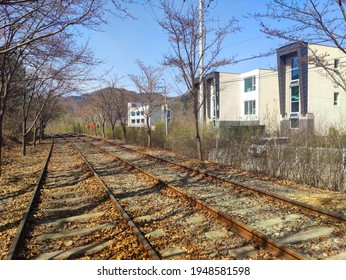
(166,108)
(201,41)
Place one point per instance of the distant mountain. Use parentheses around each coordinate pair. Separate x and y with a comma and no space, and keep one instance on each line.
(177,104)
(71,103)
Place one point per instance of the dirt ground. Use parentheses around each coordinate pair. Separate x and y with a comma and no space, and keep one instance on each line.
(19,177)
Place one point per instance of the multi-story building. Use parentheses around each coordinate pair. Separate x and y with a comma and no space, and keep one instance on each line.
(138,112)
(301,96)
(248,99)
(310,98)
(136,116)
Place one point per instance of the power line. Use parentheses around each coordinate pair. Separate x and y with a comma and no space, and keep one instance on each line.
(271,74)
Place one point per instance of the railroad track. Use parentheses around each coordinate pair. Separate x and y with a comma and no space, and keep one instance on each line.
(284,227)
(175,227)
(70,216)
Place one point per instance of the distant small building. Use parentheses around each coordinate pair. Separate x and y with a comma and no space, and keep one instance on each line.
(138,112)
(136,116)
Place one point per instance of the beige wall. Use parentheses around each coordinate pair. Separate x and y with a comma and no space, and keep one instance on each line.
(321,91)
(230,86)
(269,99)
(232,97)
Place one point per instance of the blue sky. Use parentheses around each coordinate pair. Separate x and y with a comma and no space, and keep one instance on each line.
(123,41)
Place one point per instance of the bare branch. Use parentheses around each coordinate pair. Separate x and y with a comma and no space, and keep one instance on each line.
(10,2)
(311,21)
(149,84)
(182,26)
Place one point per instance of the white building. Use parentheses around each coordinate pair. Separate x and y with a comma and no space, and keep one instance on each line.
(301,96)
(310,100)
(248,99)
(138,114)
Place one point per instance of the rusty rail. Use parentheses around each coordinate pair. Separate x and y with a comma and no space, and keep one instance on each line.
(243,230)
(140,237)
(15,243)
(308,208)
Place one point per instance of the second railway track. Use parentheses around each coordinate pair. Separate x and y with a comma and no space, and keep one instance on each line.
(175,227)
(315,234)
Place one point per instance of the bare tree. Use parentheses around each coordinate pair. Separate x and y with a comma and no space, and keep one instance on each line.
(105,100)
(35,20)
(100,106)
(54,69)
(120,100)
(51,111)
(313,21)
(182,25)
(148,84)
(26,23)
(121,109)
(100,115)
(87,114)
(112,103)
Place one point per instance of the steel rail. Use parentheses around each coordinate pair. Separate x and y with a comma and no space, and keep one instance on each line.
(20,229)
(308,208)
(140,237)
(243,230)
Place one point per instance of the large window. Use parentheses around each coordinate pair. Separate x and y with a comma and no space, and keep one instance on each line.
(294,68)
(250,107)
(250,84)
(336,64)
(336,99)
(295,99)
(212,95)
(212,104)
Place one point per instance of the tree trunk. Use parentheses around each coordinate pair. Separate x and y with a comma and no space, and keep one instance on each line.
(199,147)
(41,129)
(113,131)
(24,138)
(1,143)
(103,131)
(34,137)
(198,137)
(149,136)
(124,132)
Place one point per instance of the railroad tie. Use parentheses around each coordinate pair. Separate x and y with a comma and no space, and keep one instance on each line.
(307,235)
(82,250)
(73,218)
(84,231)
